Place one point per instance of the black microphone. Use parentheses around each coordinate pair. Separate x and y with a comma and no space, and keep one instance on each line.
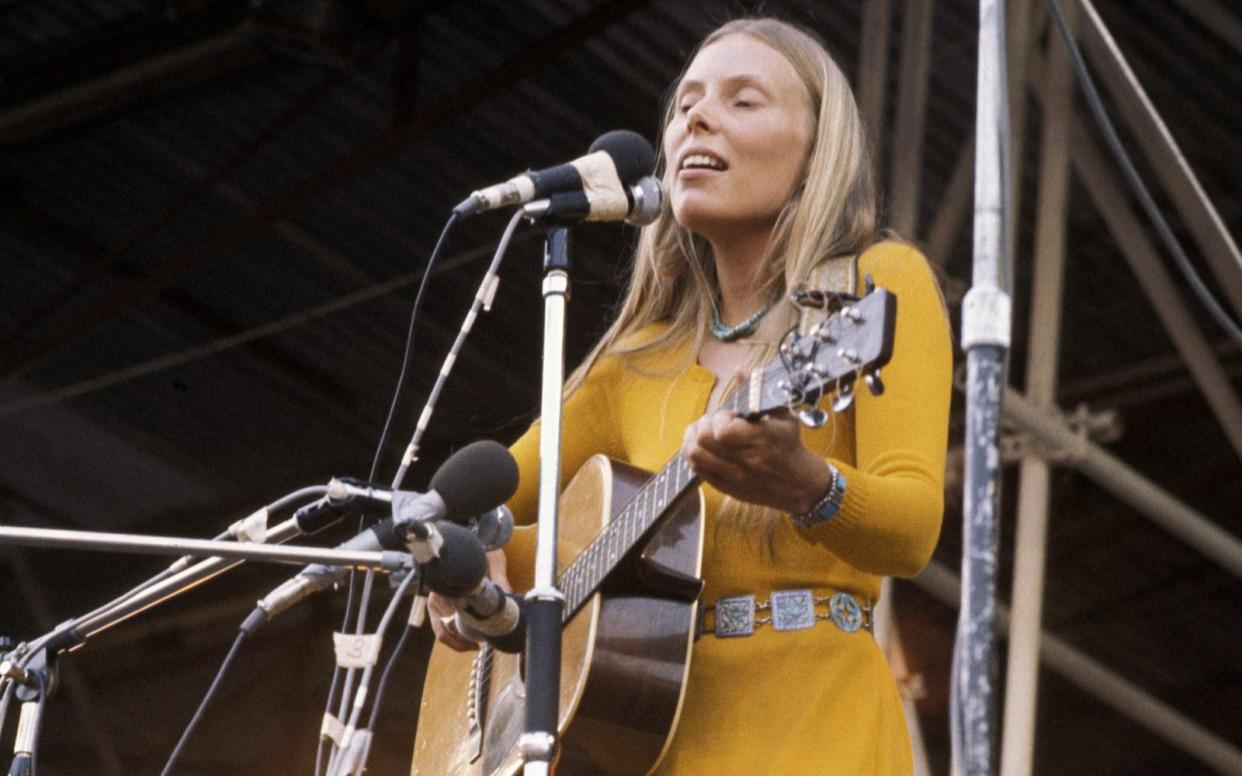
(465,486)
(639,206)
(472,481)
(485,612)
(616,159)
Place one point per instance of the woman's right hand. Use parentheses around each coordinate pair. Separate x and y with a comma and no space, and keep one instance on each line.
(441,611)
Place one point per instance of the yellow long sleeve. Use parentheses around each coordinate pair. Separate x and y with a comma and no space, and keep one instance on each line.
(890,519)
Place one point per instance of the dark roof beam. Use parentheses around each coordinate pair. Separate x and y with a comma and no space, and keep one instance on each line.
(311,189)
(205,60)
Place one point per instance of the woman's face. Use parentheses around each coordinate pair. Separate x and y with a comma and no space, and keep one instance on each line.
(739,140)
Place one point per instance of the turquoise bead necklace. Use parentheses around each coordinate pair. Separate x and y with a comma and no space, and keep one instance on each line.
(743,329)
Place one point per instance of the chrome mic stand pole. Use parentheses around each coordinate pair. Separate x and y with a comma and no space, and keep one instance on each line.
(985,339)
(545,604)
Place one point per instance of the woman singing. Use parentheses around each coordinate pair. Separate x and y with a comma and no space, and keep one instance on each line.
(767,173)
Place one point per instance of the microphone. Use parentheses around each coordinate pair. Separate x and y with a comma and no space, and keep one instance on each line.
(464,489)
(640,205)
(485,612)
(490,614)
(615,159)
(472,481)
(493,528)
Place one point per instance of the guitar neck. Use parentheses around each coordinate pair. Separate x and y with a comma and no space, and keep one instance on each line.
(583,576)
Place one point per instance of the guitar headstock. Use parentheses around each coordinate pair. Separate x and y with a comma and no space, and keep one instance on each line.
(853,342)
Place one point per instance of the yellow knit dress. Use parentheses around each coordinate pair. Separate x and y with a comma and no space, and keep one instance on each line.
(820,700)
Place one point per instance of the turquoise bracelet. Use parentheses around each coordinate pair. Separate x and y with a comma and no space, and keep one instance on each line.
(828,505)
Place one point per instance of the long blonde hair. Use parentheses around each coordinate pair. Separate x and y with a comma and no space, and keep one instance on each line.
(832,213)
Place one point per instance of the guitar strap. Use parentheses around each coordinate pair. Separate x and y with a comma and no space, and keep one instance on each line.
(838,274)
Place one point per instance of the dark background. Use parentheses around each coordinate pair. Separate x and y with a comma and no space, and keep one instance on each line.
(187,186)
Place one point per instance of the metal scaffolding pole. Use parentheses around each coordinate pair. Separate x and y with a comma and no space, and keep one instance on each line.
(1106,685)
(1169,164)
(1144,496)
(1113,205)
(877,21)
(985,339)
(910,122)
(1030,543)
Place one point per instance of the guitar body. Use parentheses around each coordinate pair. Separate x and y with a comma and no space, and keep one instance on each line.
(625,654)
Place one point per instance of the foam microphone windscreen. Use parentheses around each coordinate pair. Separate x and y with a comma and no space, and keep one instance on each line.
(480,476)
(461,565)
(631,153)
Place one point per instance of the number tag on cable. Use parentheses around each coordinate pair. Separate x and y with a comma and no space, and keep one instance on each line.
(331,729)
(356,650)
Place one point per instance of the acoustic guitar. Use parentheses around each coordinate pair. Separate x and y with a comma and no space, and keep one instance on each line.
(629,554)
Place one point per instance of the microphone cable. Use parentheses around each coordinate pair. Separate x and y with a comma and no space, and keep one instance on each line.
(375,462)
(1171,243)
(354,739)
(387,674)
(202,706)
(483,299)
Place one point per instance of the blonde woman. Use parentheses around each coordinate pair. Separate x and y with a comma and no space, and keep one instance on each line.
(767,174)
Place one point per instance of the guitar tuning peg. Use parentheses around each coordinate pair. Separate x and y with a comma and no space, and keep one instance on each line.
(868,284)
(813,417)
(845,397)
(874,383)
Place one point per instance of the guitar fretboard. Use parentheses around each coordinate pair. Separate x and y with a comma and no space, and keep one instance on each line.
(582,577)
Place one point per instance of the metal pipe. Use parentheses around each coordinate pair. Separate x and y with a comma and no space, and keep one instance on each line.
(1112,203)
(538,742)
(172,545)
(910,121)
(877,22)
(1100,682)
(1169,164)
(1158,285)
(226,52)
(985,338)
(1128,485)
(1031,532)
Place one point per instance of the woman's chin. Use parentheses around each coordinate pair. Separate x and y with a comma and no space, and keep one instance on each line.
(701,220)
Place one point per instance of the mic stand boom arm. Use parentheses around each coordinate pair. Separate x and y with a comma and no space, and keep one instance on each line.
(173,545)
(35,663)
(226,555)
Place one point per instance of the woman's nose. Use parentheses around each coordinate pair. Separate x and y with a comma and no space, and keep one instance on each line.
(701,116)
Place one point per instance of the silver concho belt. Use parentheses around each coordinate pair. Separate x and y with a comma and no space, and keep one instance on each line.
(790,610)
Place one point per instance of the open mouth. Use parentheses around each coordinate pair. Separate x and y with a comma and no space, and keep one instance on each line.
(702,162)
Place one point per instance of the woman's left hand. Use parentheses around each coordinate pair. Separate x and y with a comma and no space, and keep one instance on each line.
(760,461)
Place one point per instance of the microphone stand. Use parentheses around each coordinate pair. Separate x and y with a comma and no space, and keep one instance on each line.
(34,684)
(175,545)
(31,667)
(538,743)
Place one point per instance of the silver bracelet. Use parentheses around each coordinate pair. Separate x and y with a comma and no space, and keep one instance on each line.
(827,506)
